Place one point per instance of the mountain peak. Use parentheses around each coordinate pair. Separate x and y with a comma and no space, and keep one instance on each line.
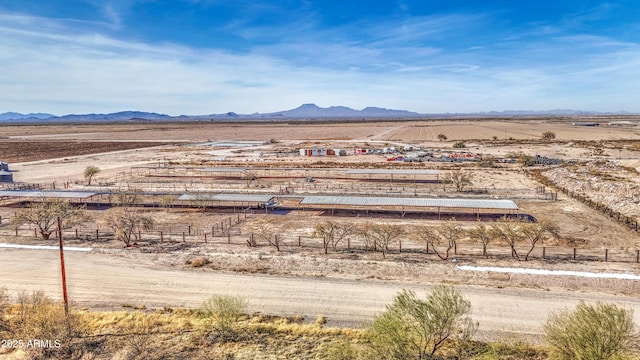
(308,106)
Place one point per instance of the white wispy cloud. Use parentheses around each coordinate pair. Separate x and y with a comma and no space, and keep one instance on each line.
(53,66)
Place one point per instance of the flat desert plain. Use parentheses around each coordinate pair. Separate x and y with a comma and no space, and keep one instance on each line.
(587,183)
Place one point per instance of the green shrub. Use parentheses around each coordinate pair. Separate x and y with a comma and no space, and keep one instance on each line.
(592,332)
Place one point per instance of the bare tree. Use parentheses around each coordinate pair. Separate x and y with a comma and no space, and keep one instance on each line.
(383,235)
(89,172)
(510,231)
(332,233)
(275,241)
(548,135)
(166,201)
(265,232)
(537,232)
(446,234)
(126,223)
(460,179)
(250,177)
(481,233)
(44,216)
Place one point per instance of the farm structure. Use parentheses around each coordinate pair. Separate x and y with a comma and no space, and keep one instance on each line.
(241,173)
(236,201)
(322,152)
(361,206)
(6,176)
(433,208)
(17,197)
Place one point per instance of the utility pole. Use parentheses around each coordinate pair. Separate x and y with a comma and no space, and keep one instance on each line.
(64,276)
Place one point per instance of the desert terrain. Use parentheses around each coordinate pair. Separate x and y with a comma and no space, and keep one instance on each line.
(592,192)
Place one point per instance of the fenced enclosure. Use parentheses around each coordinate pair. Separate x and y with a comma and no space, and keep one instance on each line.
(233,231)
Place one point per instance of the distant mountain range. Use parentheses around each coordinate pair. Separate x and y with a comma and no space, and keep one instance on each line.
(303,112)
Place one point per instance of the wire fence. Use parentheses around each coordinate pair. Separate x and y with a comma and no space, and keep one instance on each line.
(230,231)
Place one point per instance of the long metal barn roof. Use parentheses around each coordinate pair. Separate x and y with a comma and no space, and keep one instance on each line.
(413,202)
(224,169)
(227,197)
(47,194)
(393,171)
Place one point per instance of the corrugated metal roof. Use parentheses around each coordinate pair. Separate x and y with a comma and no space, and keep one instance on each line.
(227,197)
(47,194)
(413,202)
(393,171)
(223,169)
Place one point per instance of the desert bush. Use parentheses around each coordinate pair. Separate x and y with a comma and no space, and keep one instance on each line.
(38,318)
(525,160)
(459,145)
(592,332)
(412,328)
(199,262)
(3,305)
(89,172)
(222,314)
(548,135)
(340,350)
(321,320)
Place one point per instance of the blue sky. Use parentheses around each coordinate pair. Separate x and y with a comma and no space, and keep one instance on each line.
(215,56)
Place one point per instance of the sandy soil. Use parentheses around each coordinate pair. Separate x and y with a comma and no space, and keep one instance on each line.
(111,280)
(346,287)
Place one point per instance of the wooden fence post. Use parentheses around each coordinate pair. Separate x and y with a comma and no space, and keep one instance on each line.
(183,237)
(299,240)
(97,235)
(574,253)
(229,237)
(205,237)
(161,236)
(400,246)
(637,256)
(189,230)
(544,252)
(606,255)
(76,233)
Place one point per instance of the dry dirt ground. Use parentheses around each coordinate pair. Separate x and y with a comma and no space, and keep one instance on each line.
(346,286)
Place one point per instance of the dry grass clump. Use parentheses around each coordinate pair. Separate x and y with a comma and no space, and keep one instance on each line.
(175,333)
(199,262)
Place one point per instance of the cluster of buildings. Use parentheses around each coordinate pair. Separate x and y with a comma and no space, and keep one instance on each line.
(355,151)
(404,154)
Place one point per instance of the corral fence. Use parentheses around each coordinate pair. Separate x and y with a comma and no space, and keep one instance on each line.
(228,232)
(628,221)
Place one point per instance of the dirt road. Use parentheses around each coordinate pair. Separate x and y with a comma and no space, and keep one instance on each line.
(99,280)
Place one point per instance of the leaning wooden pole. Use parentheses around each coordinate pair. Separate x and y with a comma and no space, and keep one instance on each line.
(62,270)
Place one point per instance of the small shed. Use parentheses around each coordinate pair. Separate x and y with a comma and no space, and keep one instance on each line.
(6,176)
